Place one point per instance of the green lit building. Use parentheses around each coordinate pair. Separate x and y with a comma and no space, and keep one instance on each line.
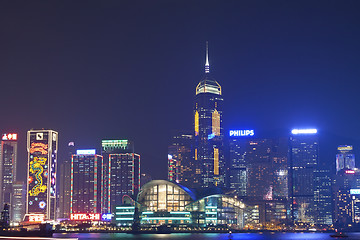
(162,202)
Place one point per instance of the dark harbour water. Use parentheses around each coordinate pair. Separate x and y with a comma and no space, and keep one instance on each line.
(207,236)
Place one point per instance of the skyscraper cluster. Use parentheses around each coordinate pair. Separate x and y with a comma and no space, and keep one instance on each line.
(280,174)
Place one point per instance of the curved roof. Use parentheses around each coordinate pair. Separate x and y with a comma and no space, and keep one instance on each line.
(208,85)
(164,182)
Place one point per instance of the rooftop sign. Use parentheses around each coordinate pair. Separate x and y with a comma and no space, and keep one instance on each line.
(345,148)
(9,137)
(304,131)
(86,152)
(241,133)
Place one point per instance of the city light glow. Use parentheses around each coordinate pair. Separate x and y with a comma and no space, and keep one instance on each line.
(304,131)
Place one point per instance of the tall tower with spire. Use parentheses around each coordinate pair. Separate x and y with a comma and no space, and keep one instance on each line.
(208,131)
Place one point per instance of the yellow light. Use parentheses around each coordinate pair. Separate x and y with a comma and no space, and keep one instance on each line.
(195,153)
(196,123)
(216,161)
(216,123)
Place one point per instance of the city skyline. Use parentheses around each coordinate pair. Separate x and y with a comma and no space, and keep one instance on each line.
(286,63)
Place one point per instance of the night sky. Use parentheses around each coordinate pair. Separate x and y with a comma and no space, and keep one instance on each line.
(128,70)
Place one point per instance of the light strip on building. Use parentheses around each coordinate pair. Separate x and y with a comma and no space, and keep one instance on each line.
(304,131)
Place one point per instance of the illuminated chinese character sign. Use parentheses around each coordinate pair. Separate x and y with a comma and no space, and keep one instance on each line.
(42,152)
(9,137)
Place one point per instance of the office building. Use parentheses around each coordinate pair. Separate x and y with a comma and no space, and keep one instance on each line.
(267,168)
(237,177)
(122,174)
(18,202)
(85,191)
(8,163)
(345,159)
(323,197)
(208,131)
(42,147)
(304,152)
(181,167)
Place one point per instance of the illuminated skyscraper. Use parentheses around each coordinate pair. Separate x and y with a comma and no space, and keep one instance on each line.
(181,167)
(208,131)
(122,175)
(64,183)
(304,153)
(345,159)
(8,162)
(85,192)
(42,148)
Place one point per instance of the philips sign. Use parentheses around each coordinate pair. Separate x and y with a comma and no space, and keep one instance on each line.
(241,133)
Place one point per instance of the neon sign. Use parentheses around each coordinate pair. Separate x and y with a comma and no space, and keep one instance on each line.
(241,133)
(36,168)
(304,131)
(349,171)
(211,136)
(355,191)
(106,217)
(85,216)
(39,147)
(86,152)
(36,217)
(9,137)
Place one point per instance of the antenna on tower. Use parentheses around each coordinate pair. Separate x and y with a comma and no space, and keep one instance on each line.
(207,66)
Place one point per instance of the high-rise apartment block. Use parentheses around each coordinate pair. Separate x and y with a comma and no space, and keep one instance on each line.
(86,184)
(8,163)
(42,147)
(121,174)
(208,131)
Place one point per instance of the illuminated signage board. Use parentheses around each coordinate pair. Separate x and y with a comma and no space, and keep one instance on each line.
(211,136)
(345,148)
(355,191)
(241,133)
(349,171)
(9,137)
(106,217)
(86,152)
(36,217)
(304,131)
(85,216)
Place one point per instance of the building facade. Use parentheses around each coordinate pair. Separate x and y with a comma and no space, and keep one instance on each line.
(181,167)
(18,202)
(345,159)
(42,147)
(304,156)
(267,168)
(85,191)
(8,163)
(208,131)
(121,173)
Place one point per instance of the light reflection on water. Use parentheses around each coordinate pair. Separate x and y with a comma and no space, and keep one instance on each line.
(205,236)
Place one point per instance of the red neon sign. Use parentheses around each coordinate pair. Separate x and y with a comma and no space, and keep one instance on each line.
(39,147)
(350,172)
(85,216)
(9,137)
(36,217)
